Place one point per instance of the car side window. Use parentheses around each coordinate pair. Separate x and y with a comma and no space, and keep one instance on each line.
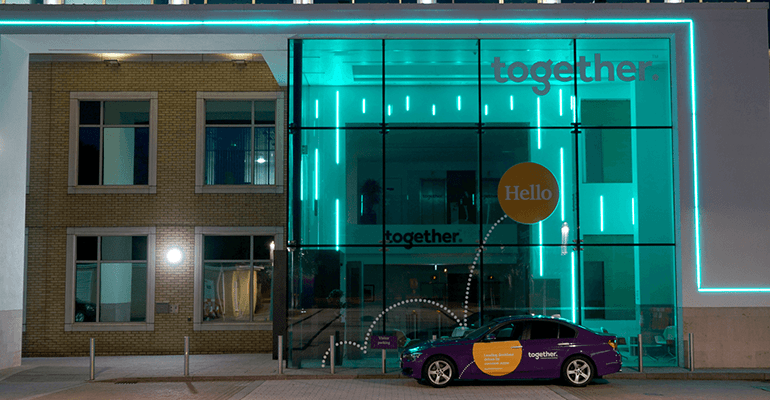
(512,331)
(543,330)
(566,332)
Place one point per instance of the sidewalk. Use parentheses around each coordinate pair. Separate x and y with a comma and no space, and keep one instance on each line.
(258,367)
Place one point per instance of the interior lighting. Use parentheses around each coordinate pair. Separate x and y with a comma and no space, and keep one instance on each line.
(363,106)
(574,316)
(174,255)
(434,109)
(316,108)
(261,160)
(389,110)
(459,104)
(540,228)
(337,130)
(316,174)
(337,224)
(561,177)
(561,107)
(407,103)
(601,211)
(511,102)
(633,212)
(486,109)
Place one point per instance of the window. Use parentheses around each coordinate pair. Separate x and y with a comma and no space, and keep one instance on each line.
(543,330)
(233,277)
(113,142)
(512,331)
(239,142)
(110,279)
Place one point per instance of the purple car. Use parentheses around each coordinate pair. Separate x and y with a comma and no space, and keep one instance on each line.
(517,347)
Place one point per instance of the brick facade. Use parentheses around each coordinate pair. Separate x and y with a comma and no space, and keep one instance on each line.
(175,210)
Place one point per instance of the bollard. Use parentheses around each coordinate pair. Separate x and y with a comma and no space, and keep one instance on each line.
(383,361)
(280,354)
(331,353)
(690,351)
(434,337)
(186,356)
(641,354)
(92,354)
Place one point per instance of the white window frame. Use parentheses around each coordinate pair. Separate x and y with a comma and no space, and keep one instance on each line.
(29,132)
(75,99)
(200,231)
(200,135)
(26,265)
(69,309)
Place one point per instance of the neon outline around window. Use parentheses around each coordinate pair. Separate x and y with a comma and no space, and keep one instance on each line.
(257,23)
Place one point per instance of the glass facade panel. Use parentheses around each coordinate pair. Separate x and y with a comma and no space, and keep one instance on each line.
(431,81)
(401,203)
(126,112)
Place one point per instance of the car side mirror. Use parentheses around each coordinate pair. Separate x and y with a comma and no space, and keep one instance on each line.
(490,337)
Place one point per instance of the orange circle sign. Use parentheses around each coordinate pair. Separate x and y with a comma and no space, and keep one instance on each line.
(528,193)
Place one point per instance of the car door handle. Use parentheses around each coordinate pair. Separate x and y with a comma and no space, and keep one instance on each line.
(516,347)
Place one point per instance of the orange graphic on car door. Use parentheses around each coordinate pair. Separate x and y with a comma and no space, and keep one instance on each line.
(497,358)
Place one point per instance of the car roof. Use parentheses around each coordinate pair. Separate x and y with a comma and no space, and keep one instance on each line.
(532,317)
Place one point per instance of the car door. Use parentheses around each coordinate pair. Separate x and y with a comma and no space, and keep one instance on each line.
(543,349)
(498,354)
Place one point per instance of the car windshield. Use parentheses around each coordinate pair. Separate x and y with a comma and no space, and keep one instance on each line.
(481,331)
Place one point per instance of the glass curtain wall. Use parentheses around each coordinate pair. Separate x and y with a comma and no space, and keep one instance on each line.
(397,148)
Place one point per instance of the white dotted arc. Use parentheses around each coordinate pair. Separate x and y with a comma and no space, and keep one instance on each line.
(473,267)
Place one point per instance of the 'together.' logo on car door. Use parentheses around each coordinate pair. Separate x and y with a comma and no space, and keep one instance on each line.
(546,355)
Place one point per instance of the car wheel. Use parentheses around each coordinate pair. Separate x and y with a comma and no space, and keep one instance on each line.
(439,371)
(578,371)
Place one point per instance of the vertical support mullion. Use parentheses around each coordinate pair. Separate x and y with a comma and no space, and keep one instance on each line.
(578,242)
(101,143)
(383,132)
(253,156)
(479,186)
(251,278)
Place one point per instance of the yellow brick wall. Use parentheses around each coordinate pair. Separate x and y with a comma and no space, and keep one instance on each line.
(175,210)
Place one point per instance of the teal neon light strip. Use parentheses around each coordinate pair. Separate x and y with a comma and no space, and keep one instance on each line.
(316,108)
(337,130)
(561,107)
(459,103)
(316,174)
(633,212)
(511,102)
(538,122)
(540,228)
(561,176)
(363,106)
(601,211)
(302,179)
(407,103)
(337,223)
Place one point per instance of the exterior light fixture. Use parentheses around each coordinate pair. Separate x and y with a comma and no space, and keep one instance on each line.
(112,63)
(174,255)
(261,160)
(239,61)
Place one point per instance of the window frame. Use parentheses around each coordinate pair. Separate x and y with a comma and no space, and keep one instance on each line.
(200,141)
(75,99)
(69,309)
(198,323)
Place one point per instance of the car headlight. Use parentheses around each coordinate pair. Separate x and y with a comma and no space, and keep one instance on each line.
(411,357)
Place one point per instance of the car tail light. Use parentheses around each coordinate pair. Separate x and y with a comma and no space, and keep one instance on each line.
(614,344)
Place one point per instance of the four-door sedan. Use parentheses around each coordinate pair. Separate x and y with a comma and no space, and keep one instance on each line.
(517,347)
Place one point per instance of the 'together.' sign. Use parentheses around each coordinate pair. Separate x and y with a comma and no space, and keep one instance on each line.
(528,193)
(542,71)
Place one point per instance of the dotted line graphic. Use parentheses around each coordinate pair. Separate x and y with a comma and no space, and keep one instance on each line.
(464,321)
(473,268)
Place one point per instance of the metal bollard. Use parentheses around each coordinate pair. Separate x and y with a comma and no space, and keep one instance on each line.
(92,354)
(641,353)
(332,361)
(434,337)
(280,354)
(690,351)
(383,361)
(186,356)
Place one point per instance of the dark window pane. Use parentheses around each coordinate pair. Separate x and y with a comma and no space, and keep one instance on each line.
(264,156)
(566,332)
(543,330)
(227,156)
(138,292)
(88,156)
(264,112)
(86,248)
(226,248)
(89,112)
(126,112)
(139,247)
(262,247)
(141,155)
(228,112)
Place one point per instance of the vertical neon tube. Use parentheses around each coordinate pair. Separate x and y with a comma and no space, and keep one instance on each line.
(573,107)
(434,109)
(337,223)
(337,130)
(561,176)
(316,174)
(407,103)
(538,123)
(302,179)
(574,316)
(561,107)
(362,204)
(363,106)
(601,211)
(459,104)
(316,108)
(389,110)
(540,229)
(486,109)
(633,212)
(511,102)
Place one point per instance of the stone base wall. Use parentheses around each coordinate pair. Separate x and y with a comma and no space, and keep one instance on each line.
(729,337)
(10,338)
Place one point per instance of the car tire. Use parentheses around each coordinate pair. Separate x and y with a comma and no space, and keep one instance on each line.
(578,371)
(439,371)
